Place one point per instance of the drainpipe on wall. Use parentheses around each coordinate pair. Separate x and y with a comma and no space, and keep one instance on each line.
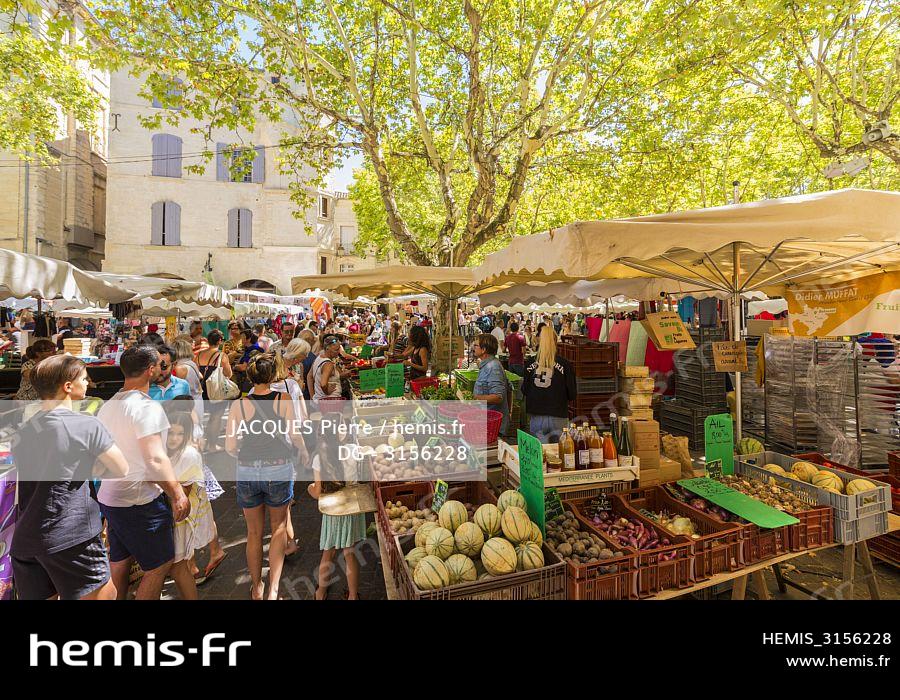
(26,206)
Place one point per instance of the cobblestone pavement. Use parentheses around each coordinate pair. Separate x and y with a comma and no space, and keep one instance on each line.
(231,580)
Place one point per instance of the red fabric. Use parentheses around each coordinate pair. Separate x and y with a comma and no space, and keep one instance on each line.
(765,316)
(662,366)
(619,334)
(594,325)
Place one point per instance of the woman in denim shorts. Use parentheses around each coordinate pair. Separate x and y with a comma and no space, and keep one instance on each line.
(260,435)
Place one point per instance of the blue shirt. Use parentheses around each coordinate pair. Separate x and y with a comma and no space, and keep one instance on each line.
(492,380)
(177,387)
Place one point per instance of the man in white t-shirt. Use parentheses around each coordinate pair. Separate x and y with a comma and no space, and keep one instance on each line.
(139,508)
(500,336)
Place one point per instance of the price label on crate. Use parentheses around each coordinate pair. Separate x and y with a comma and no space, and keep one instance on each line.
(602,502)
(552,504)
(441,488)
(714,469)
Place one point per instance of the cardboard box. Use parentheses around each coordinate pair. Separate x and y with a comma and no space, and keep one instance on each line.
(760,327)
(637,385)
(669,469)
(636,413)
(632,401)
(645,442)
(648,477)
(634,371)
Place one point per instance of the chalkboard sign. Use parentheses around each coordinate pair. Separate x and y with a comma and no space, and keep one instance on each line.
(531,475)
(602,502)
(738,503)
(714,469)
(365,352)
(371,379)
(441,488)
(394,380)
(552,504)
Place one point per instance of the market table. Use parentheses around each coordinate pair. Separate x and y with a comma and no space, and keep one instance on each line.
(741,577)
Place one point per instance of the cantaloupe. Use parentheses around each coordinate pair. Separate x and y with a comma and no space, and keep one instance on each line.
(461,569)
(469,539)
(487,517)
(775,469)
(498,556)
(749,446)
(452,514)
(431,573)
(529,555)
(535,534)
(439,543)
(859,486)
(510,498)
(422,533)
(805,471)
(516,524)
(828,481)
(415,556)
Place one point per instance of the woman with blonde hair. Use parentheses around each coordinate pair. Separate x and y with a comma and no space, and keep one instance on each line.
(548,387)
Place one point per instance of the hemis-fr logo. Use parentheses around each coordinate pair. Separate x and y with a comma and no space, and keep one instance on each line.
(212,651)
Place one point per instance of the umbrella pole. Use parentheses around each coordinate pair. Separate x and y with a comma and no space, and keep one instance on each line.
(736,334)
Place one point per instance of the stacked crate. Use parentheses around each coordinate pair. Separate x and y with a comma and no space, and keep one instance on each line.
(635,397)
(596,378)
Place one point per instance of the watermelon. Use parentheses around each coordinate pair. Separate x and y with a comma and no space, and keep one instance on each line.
(439,543)
(422,533)
(516,524)
(828,480)
(415,556)
(431,573)
(529,555)
(452,514)
(510,498)
(461,569)
(469,539)
(749,446)
(498,556)
(487,517)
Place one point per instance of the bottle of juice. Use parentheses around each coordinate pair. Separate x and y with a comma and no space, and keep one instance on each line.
(610,456)
(596,446)
(567,451)
(584,450)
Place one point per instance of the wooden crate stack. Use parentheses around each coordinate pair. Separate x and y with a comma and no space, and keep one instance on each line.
(635,397)
(79,347)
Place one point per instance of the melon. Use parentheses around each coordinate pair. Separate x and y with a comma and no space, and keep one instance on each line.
(415,556)
(516,524)
(535,534)
(749,446)
(487,517)
(439,543)
(431,573)
(858,486)
(498,556)
(804,471)
(461,569)
(469,539)
(775,469)
(828,481)
(422,533)
(451,515)
(529,555)
(510,498)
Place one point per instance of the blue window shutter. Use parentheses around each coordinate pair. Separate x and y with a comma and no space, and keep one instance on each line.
(174,151)
(245,223)
(172,224)
(160,153)
(156,223)
(233,218)
(156,103)
(223,159)
(259,165)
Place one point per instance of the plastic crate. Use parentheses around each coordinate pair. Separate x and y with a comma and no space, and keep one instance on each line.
(894,463)
(546,583)
(886,548)
(815,529)
(889,479)
(864,528)
(678,418)
(593,408)
(719,547)
(590,359)
(601,385)
(654,574)
(414,495)
(510,481)
(465,379)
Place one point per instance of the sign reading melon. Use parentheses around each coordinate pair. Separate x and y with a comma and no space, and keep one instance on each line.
(730,355)
(738,503)
(531,477)
(719,438)
(370,379)
(394,379)
(667,331)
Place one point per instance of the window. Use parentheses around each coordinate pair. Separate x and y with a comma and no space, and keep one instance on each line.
(323,207)
(348,237)
(173,96)
(166,155)
(347,267)
(230,169)
(240,228)
(165,223)
(323,265)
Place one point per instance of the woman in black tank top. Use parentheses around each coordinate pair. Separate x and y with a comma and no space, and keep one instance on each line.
(259,433)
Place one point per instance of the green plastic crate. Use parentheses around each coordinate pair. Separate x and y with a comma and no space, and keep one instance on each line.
(465,379)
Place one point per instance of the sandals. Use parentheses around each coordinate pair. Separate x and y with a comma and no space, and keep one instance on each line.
(209,572)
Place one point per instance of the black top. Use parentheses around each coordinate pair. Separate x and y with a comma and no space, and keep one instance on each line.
(263,439)
(549,396)
(55,455)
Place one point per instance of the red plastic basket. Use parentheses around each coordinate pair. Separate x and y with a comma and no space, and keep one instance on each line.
(480,427)
(416,385)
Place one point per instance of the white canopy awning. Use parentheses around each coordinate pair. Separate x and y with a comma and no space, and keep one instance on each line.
(162,288)
(23,275)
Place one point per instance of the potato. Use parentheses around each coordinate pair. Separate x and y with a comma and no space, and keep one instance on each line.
(565,549)
(404,509)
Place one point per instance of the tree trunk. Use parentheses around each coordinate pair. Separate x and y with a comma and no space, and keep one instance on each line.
(444,356)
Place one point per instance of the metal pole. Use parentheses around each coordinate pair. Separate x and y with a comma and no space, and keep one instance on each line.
(736,333)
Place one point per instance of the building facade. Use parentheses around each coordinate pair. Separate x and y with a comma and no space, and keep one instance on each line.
(58,210)
(235,227)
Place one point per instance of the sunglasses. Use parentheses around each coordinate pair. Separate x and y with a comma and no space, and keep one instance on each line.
(164,365)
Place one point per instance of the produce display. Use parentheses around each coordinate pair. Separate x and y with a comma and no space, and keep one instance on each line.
(632,532)
(438,393)
(569,540)
(805,471)
(859,486)
(679,524)
(472,546)
(391,463)
(404,521)
(770,494)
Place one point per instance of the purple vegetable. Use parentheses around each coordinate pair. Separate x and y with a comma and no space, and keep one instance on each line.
(698,503)
(666,542)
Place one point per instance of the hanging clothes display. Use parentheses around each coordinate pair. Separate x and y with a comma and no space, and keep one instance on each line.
(594,324)
(686,309)
(709,312)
